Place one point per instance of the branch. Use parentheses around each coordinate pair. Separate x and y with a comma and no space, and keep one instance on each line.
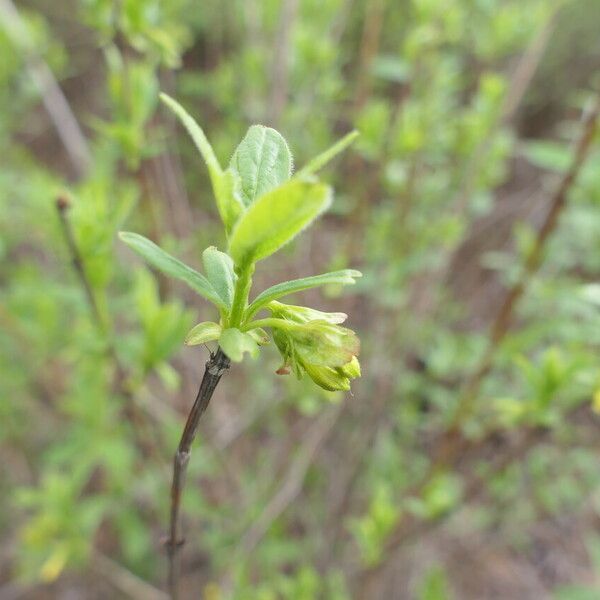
(215,368)
(146,435)
(451,443)
(62,206)
(124,580)
(54,100)
(281,60)
(293,482)
(501,325)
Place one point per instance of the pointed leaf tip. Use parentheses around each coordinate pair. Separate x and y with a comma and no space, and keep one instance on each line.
(164,262)
(322,159)
(263,161)
(225,184)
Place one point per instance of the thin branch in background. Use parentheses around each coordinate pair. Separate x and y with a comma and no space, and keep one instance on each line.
(54,100)
(519,84)
(124,580)
(369,47)
(502,322)
(63,204)
(215,368)
(281,62)
(412,529)
(451,442)
(293,481)
(146,435)
(527,68)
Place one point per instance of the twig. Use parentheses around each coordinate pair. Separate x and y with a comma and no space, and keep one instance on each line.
(124,580)
(281,60)
(411,528)
(501,324)
(62,205)
(215,368)
(518,85)
(451,443)
(52,96)
(131,410)
(369,46)
(293,482)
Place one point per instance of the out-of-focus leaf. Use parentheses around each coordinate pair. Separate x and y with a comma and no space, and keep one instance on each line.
(225,183)
(548,155)
(322,159)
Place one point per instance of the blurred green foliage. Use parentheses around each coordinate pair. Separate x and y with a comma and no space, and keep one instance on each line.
(438,205)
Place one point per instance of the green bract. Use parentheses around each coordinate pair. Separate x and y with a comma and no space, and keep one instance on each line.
(263,207)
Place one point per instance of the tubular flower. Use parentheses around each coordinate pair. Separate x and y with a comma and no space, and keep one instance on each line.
(312,342)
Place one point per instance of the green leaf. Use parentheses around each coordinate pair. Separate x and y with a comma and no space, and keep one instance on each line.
(235,343)
(225,183)
(169,265)
(202,333)
(344,277)
(263,162)
(548,155)
(219,271)
(322,159)
(275,219)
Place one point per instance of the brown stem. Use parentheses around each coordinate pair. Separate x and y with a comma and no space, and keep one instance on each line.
(62,205)
(51,95)
(215,367)
(144,432)
(501,325)
(451,442)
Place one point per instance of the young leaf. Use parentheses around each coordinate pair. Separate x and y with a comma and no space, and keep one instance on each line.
(263,162)
(202,333)
(169,265)
(275,219)
(344,277)
(234,343)
(219,271)
(322,159)
(225,183)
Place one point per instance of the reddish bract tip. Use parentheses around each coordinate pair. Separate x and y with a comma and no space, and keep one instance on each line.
(62,203)
(283,370)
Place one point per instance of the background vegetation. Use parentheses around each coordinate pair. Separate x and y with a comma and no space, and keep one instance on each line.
(464,464)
